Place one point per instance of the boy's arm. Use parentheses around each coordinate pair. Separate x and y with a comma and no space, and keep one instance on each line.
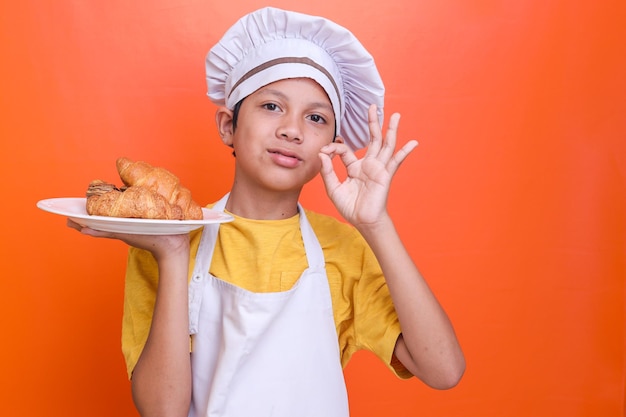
(428,346)
(161,379)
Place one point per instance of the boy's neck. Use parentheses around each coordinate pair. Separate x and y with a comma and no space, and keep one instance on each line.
(262,205)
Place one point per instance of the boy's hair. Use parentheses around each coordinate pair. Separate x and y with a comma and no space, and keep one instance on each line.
(236,113)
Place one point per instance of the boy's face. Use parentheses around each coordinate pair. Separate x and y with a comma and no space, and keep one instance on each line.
(280,130)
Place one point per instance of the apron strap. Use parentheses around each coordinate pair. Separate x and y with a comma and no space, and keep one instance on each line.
(312,249)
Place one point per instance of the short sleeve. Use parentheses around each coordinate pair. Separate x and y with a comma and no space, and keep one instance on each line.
(140,289)
(139,297)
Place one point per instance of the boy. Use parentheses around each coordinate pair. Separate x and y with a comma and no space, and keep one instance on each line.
(277,301)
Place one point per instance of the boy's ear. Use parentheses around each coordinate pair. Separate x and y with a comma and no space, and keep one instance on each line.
(224,121)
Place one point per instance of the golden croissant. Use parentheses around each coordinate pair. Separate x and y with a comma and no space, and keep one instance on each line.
(149,193)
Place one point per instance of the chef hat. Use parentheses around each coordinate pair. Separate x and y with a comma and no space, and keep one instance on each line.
(272,44)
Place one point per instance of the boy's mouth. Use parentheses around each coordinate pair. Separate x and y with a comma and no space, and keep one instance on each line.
(284,153)
(284,158)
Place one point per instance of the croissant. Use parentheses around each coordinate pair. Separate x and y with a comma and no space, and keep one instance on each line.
(149,192)
(104,199)
(160,180)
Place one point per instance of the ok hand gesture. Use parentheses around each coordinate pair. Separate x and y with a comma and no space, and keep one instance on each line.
(362,197)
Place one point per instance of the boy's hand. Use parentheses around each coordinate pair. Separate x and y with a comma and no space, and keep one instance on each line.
(362,197)
(159,246)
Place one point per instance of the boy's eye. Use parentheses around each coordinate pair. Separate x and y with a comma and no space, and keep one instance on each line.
(270,106)
(317,118)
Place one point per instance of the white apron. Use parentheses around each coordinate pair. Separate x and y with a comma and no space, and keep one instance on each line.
(264,354)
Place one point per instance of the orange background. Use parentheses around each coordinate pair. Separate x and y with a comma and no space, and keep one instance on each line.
(514,204)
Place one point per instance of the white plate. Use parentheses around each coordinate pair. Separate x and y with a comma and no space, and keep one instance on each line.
(75,209)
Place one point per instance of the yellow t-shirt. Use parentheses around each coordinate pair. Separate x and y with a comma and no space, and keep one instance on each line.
(268,256)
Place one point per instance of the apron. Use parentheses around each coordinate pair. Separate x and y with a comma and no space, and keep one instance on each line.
(264,354)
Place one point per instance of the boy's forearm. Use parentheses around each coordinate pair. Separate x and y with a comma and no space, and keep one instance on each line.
(428,346)
(161,381)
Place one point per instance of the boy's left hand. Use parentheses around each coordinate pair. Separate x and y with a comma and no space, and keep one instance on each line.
(362,197)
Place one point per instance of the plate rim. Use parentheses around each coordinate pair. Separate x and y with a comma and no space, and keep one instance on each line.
(44,204)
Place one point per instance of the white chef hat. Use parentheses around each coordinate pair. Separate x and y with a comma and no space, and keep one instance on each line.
(272,44)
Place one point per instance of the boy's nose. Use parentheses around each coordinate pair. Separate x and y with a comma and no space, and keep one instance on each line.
(290,130)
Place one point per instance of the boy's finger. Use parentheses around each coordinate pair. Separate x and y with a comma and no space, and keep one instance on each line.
(376,137)
(339,149)
(329,177)
(389,145)
(400,156)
